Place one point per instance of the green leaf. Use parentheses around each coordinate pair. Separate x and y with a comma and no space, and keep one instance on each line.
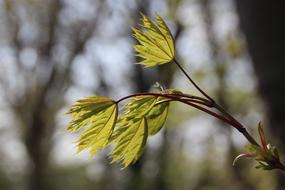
(252,149)
(157,116)
(156,44)
(83,110)
(137,107)
(142,116)
(130,143)
(99,115)
(273,151)
(153,108)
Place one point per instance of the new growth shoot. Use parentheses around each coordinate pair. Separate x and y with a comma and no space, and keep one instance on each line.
(145,113)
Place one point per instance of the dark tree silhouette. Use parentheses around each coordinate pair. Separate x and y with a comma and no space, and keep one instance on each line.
(264,28)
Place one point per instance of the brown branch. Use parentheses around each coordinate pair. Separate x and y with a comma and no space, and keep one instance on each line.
(233,122)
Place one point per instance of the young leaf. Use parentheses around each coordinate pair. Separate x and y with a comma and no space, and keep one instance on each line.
(157,87)
(157,116)
(83,110)
(266,155)
(262,137)
(130,143)
(253,150)
(141,117)
(156,42)
(100,115)
(154,109)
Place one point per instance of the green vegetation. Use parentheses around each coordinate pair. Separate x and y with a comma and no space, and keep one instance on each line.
(145,113)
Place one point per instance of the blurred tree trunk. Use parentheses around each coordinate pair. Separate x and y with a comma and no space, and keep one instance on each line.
(35,112)
(264,28)
(42,97)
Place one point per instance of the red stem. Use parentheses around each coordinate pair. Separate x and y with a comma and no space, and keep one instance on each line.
(166,95)
(186,99)
(233,122)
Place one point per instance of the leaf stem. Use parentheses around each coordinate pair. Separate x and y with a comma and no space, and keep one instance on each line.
(187,99)
(239,127)
(192,81)
(233,122)
(170,96)
(196,102)
(214,114)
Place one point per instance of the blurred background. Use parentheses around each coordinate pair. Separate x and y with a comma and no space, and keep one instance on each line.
(53,52)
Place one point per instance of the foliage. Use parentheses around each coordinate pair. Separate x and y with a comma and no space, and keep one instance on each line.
(142,116)
(145,113)
(100,115)
(156,42)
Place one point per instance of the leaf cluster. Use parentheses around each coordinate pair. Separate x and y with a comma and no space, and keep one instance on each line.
(98,118)
(101,125)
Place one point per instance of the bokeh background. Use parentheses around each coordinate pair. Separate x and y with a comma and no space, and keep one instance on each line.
(53,52)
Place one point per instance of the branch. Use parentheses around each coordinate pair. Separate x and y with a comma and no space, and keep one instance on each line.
(229,118)
(192,81)
(186,99)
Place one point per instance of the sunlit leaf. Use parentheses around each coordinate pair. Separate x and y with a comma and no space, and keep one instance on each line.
(157,116)
(156,44)
(98,115)
(139,113)
(130,143)
(154,109)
